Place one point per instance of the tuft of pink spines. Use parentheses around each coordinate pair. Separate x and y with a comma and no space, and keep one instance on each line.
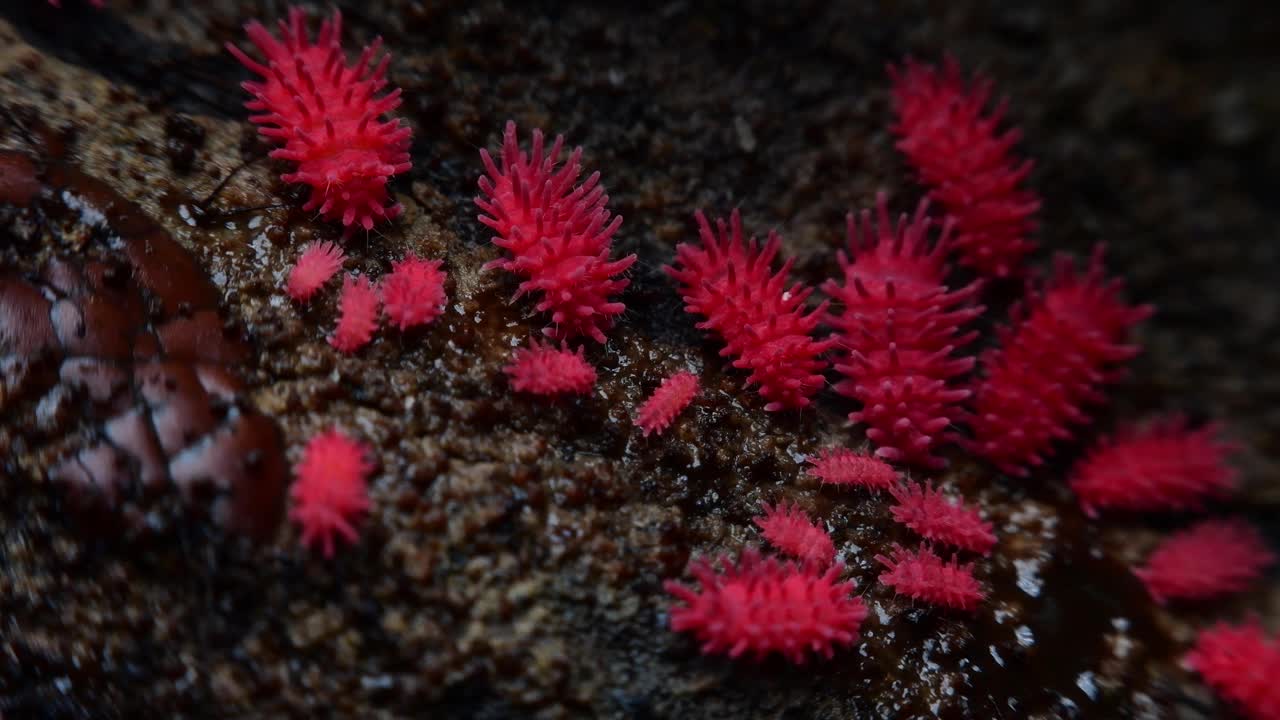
(1210,559)
(1242,665)
(413,293)
(758,606)
(672,396)
(922,575)
(358,314)
(543,369)
(318,262)
(938,519)
(1067,341)
(730,283)
(959,152)
(558,235)
(842,466)
(789,529)
(1161,466)
(330,492)
(899,332)
(326,115)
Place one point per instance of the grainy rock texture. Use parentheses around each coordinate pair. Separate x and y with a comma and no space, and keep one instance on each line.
(512,564)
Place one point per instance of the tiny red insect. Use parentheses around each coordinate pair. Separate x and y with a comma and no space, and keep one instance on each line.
(923,575)
(672,396)
(789,529)
(330,494)
(543,369)
(841,466)
(760,606)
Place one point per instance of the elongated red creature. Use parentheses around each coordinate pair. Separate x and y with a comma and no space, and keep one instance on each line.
(1240,663)
(922,575)
(328,118)
(899,331)
(756,607)
(330,492)
(959,152)
(842,466)
(672,396)
(543,369)
(558,235)
(358,314)
(731,284)
(789,529)
(1210,559)
(1068,339)
(939,519)
(1161,466)
(317,263)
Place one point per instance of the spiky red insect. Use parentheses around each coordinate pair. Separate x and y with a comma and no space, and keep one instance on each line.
(923,575)
(1162,466)
(841,466)
(899,332)
(413,293)
(1210,559)
(330,492)
(1242,665)
(730,284)
(1066,342)
(939,519)
(959,152)
(543,369)
(358,314)
(672,396)
(789,529)
(325,114)
(761,606)
(558,235)
(318,262)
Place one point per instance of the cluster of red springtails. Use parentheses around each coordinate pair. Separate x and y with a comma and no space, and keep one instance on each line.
(898,337)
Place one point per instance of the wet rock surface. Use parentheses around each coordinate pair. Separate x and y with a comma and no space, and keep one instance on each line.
(512,564)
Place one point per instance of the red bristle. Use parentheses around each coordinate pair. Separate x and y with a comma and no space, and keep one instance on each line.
(543,369)
(1163,466)
(922,575)
(939,519)
(761,606)
(1211,559)
(959,152)
(318,262)
(730,283)
(789,529)
(413,294)
(324,113)
(358,314)
(1242,665)
(330,493)
(672,396)
(558,235)
(899,332)
(841,466)
(1067,341)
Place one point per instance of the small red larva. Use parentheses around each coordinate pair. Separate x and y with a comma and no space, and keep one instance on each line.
(672,396)
(789,529)
(922,575)
(358,314)
(841,466)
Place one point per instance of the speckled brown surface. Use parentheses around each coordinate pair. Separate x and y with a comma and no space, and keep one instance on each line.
(512,565)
